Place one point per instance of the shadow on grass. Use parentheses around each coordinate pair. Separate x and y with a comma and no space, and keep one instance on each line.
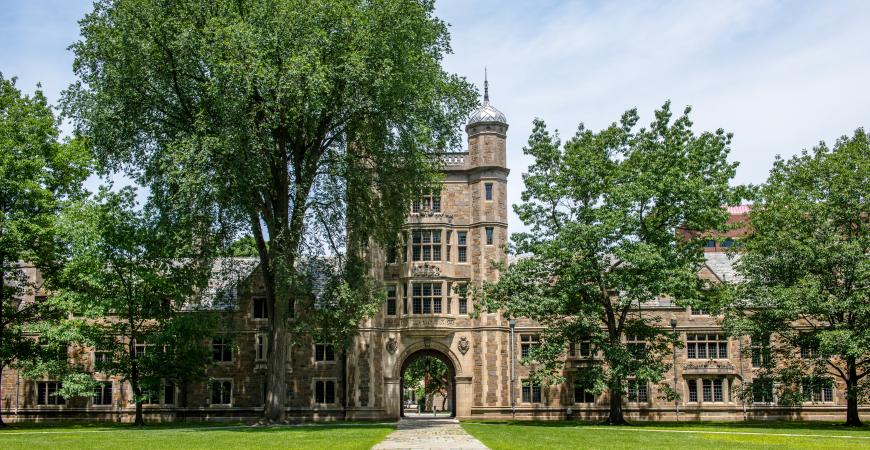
(732,426)
(303,428)
(246,427)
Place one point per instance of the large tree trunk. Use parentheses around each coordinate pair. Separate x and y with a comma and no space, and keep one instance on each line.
(2,330)
(2,366)
(852,418)
(139,420)
(616,416)
(344,382)
(276,375)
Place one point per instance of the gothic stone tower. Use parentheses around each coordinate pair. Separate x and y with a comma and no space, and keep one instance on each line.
(452,238)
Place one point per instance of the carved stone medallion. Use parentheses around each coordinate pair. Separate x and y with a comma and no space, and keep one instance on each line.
(392,345)
(463,345)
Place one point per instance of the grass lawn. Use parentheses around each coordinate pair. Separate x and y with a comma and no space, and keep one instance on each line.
(728,435)
(193,436)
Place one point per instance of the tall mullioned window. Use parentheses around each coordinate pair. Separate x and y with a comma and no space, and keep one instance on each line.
(712,390)
(462,246)
(426,245)
(261,346)
(706,346)
(46,393)
(817,391)
(221,350)
(531,392)
(221,392)
(760,350)
(324,352)
(259,306)
(462,290)
(527,342)
(488,191)
(324,391)
(391,300)
(489,235)
(636,346)
(103,393)
(637,391)
(582,394)
(426,298)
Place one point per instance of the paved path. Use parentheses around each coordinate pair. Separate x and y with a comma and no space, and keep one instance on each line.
(422,433)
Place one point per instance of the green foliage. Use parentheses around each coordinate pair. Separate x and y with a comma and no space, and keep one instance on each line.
(292,121)
(806,270)
(38,174)
(244,246)
(603,213)
(126,283)
(427,376)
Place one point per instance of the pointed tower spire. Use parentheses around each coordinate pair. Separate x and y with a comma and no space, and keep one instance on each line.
(485,87)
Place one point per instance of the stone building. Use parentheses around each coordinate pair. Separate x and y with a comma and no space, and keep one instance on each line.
(452,239)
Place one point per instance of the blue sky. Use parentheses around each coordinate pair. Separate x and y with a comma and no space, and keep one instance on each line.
(780,75)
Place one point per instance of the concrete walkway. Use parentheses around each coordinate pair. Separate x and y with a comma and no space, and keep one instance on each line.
(431,433)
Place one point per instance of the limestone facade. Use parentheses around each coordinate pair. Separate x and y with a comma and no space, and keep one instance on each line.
(452,239)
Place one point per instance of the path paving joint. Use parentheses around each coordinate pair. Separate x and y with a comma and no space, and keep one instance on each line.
(431,433)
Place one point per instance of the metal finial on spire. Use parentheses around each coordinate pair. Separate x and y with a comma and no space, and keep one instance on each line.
(485,86)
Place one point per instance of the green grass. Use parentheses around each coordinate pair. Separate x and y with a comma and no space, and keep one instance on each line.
(695,435)
(208,436)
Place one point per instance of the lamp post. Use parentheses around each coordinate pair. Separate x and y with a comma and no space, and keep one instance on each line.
(676,399)
(513,324)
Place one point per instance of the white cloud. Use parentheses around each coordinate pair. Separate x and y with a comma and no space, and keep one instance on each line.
(780,76)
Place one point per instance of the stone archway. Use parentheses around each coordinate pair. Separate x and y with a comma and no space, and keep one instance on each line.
(423,353)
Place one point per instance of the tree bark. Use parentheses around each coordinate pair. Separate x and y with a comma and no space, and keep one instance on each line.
(344,383)
(2,330)
(852,417)
(139,420)
(616,416)
(2,366)
(276,375)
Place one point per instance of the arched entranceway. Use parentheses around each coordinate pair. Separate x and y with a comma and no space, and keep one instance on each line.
(449,378)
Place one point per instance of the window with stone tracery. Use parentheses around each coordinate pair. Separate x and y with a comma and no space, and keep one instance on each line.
(426,298)
(426,245)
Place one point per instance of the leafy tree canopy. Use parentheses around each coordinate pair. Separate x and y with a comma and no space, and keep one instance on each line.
(132,297)
(806,271)
(308,124)
(603,213)
(38,174)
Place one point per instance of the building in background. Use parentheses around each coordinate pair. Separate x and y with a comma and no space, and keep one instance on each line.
(452,239)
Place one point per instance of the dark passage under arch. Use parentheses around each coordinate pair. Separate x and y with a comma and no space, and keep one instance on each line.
(451,377)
